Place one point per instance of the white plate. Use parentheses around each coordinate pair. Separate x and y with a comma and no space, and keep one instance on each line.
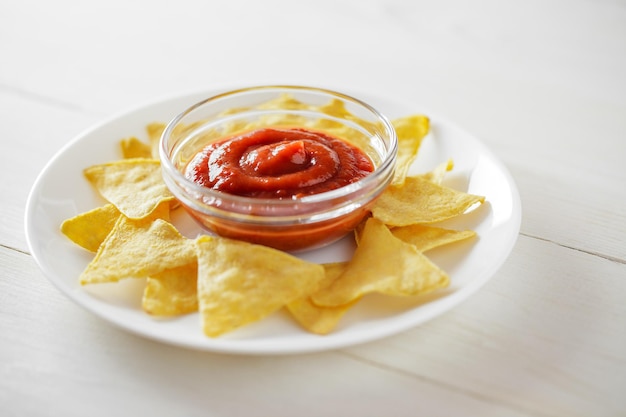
(61,192)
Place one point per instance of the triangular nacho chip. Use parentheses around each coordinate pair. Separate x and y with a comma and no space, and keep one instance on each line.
(316,319)
(89,229)
(425,237)
(419,200)
(138,249)
(410,130)
(172,292)
(155,130)
(135,148)
(239,283)
(134,186)
(382,264)
(437,175)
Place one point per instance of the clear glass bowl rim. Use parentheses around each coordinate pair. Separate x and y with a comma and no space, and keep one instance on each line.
(386,164)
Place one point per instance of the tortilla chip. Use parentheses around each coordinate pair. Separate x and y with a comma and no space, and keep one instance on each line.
(135,148)
(437,175)
(425,237)
(240,283)
(283,101)
(172,292)
(134,186)
(89,229)
(411,130)
(155,130)
(138,249)
(382,264)
(316,319)
(419,200)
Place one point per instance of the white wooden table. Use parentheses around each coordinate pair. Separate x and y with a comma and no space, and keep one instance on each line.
(541,83)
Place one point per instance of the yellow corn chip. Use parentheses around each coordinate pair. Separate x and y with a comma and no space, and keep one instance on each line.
(410,130)
(419,200)
(436,175)
(135,148)
(283,101)
(316,319)
(134,186)
(422,236)
(138,249)
(172,292)
(239,283)
(155,130)
(336,109)
(425,237)
(382,264)
(89,229)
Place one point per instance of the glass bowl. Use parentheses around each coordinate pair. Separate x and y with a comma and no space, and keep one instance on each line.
(289,224)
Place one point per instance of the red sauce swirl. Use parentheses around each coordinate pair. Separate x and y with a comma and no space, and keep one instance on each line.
(278,163)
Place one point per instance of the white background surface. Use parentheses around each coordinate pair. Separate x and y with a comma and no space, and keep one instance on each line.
(540,82)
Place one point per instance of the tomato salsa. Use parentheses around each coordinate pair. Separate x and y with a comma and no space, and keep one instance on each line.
(278,163)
